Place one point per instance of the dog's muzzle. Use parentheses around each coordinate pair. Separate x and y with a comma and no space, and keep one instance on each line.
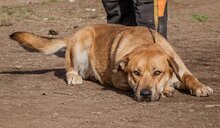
(146,95)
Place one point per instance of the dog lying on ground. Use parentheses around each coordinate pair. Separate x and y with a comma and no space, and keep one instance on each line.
(129,58)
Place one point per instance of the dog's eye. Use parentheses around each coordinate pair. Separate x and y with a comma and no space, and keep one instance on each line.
(156,73)
(136,73)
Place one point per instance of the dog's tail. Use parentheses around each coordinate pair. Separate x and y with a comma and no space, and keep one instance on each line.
(37,43)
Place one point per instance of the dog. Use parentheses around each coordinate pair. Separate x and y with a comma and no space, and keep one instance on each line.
(129,58)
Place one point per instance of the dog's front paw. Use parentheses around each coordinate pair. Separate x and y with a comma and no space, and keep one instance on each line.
(74,79)
(201,91)
(168,91)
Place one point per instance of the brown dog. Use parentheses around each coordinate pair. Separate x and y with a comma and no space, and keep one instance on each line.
(125,57)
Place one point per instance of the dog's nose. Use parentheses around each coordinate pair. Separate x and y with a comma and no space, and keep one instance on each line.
(146,93)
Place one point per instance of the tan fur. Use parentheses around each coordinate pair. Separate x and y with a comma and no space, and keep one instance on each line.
(37,43)
(125,57)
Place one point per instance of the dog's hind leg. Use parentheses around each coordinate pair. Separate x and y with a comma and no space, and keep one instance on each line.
(71,75)
(77,60)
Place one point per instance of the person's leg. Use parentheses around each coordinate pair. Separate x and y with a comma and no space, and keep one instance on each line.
(127,13)
(144,13)
(119,12)
(162,26)
(112,10)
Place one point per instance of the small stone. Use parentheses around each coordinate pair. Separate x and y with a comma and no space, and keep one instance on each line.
(71,1)
(76,26)
(114,71)
(97,113)
(43,94)
(55,114)
(90,9)
(18,66)
(52,32)
(211,106)
(191,110)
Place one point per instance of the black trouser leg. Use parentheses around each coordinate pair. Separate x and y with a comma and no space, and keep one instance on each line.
(120,12)
(144,13)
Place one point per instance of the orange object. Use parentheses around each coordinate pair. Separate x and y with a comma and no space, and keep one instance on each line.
(161,7)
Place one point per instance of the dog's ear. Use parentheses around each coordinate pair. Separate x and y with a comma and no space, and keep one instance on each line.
(174,66)
(121,64)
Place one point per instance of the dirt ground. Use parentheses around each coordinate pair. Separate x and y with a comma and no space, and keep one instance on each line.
(33,91)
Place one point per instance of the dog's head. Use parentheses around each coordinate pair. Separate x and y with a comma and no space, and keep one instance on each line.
(148,72)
